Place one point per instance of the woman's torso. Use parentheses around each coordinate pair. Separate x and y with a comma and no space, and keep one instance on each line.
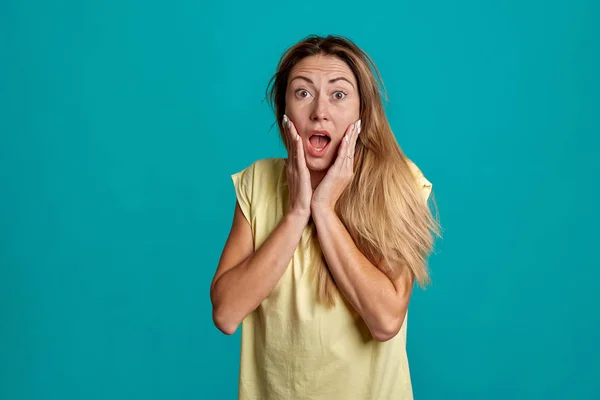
(294,348)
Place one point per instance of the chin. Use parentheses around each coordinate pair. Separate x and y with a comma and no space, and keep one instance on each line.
(317,164)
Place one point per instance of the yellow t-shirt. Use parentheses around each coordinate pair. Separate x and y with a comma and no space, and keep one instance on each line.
(294,348)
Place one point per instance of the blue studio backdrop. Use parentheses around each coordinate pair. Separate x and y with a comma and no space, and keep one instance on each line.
(122,121)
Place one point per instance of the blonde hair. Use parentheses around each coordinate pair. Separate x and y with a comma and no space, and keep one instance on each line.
(383,208)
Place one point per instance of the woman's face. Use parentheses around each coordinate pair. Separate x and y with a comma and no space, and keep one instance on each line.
(322,100)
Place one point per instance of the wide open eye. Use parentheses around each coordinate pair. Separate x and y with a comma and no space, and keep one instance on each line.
(302,93)
(339,95)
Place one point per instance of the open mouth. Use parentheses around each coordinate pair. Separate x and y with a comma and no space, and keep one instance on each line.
(319,140)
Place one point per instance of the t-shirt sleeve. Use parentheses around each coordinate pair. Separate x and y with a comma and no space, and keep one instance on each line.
(243,184)
(426,187)
(423,183)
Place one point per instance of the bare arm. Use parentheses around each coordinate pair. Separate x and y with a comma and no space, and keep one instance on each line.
(244,278)
(380,301)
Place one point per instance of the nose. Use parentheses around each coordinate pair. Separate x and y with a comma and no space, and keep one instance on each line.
(320,111)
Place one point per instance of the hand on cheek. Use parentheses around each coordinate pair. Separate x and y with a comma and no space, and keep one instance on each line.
(340,174)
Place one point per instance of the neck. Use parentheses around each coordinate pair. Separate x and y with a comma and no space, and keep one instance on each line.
(316,177)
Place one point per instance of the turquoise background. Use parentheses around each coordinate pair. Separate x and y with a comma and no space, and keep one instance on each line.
(121,121)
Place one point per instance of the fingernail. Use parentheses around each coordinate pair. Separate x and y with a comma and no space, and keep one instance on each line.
(359,125)
(285,120)
(297,137)
(346,138)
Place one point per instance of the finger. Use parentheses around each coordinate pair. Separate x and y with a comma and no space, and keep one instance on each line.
(343,151)
(297,143)
(357,132)
(354,140)
(291,137)
(352,146)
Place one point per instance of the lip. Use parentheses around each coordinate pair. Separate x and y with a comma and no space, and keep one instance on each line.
(320,132)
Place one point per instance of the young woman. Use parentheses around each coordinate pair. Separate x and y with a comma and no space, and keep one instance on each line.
(325,245)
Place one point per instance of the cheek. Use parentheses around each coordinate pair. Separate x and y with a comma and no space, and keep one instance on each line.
(300,128)
(297,112)
(352,110)
(348,111)
(345,118)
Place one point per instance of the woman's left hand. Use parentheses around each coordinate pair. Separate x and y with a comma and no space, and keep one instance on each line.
(339,175)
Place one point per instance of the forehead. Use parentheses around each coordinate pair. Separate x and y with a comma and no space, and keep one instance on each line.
(322,65)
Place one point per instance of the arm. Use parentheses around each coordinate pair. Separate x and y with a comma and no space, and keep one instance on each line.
(380,301)
(244,278)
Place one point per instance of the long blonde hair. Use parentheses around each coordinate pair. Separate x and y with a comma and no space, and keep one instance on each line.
(383,208)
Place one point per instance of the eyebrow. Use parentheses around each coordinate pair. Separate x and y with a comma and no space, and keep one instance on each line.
(339,78)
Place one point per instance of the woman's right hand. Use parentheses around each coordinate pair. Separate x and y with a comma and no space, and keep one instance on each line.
(298,175)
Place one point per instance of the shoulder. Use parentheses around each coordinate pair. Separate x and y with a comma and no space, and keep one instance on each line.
(261,176)
(256,183)
(261,168)
(422,182)
(268,166)
(416,172)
